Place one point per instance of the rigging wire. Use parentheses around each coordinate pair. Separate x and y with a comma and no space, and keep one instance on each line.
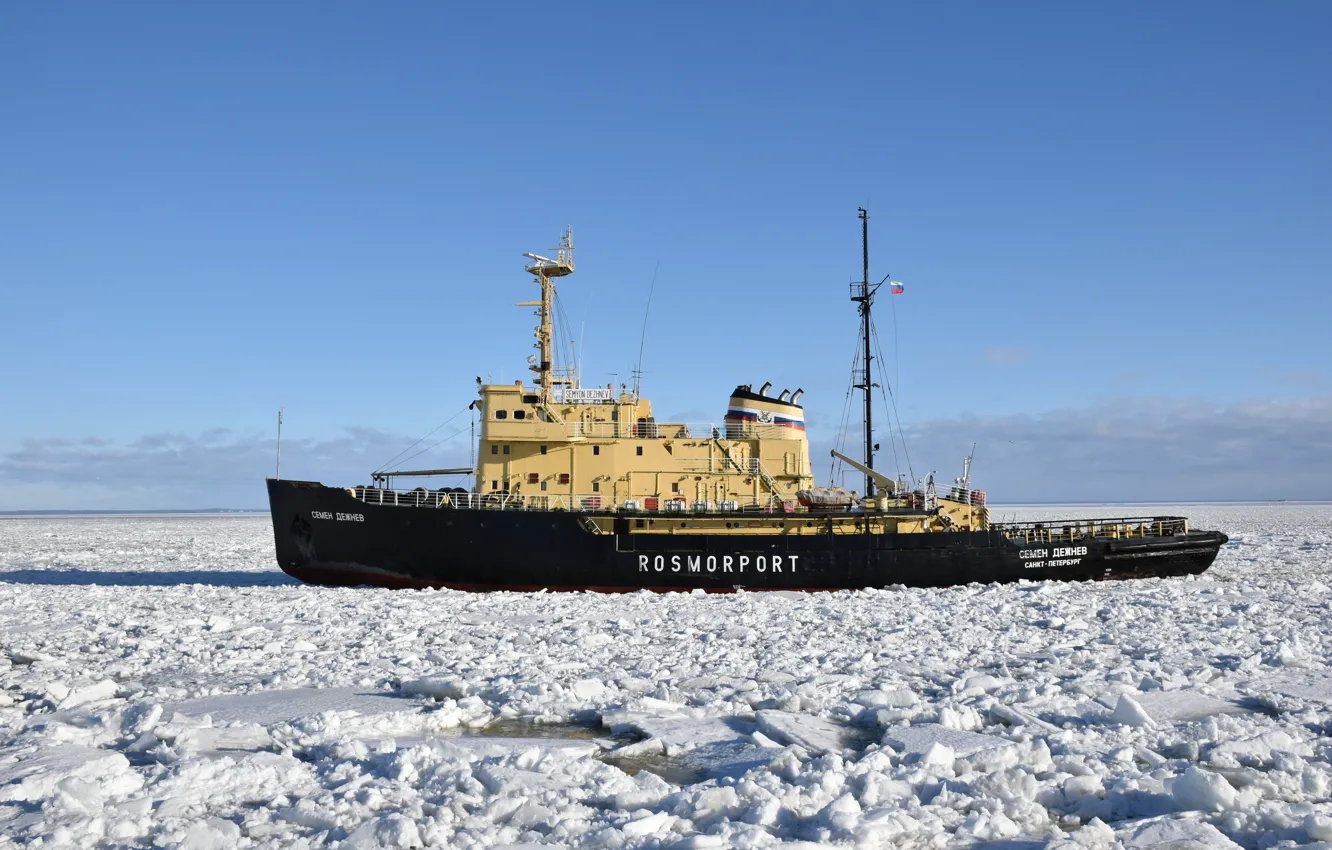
(434,445)
(897,416)
(897,359)
(642,339)
(842,426)
(423,439)
(563,331)
(892,437)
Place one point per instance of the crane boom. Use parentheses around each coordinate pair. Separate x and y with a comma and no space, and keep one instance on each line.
(888,484)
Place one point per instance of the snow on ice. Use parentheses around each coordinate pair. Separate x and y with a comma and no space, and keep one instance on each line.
(163,685)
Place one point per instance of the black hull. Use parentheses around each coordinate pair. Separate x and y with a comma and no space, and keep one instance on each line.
(326,536)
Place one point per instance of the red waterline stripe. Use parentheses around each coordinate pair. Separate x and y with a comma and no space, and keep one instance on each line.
(352,578)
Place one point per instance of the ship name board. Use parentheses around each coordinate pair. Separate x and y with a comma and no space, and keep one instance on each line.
(1058,552)
(1060,556)
(715,563)
(575,396)
(337,516)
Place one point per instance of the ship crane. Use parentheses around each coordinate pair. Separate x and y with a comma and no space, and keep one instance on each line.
(889,485)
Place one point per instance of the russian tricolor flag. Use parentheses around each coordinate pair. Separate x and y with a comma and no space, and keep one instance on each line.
(898,288)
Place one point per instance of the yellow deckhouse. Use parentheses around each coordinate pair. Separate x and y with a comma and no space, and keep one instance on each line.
(594,448)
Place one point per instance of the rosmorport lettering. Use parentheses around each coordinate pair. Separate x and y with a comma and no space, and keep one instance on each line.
(727,563)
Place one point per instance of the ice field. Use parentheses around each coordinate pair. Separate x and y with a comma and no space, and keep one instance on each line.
(162,684)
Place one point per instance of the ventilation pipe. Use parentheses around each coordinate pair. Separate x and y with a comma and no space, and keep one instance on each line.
(784,396)
(763,390)
(795,399)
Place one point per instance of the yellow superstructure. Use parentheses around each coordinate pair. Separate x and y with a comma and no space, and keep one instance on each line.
(555,444)
(615,449)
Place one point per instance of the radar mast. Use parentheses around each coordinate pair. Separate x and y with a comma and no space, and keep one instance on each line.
(545,270)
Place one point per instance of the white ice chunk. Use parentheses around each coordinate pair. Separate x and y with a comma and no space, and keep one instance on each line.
(267,707)
(588,689)
(100,692)
(1313,685)
(1169,707)
(939,754)
(680,732)
(1318,826)
(1174,832)
(389,831)
(1201,790)
(435,688)
(1255,751)
(496,745)
(813,733)
(211,833)
(978,684)
(919,739)
(1129,713)
(653,824)
(887,698)
(35,777)
(842,813)
(79,796)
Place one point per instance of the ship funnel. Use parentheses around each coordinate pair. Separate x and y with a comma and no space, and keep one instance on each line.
(767,385)
(795,399)
(784,396)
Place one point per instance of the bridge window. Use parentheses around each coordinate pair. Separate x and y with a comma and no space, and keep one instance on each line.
(520,414)
(494,449)
(596,450)
(640,451)
(501,414)
(506,448)
(543,449)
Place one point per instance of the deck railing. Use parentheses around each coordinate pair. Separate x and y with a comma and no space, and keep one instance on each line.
(576,429)
(581,502)
(722,463)
(1048,531)
(1068,530)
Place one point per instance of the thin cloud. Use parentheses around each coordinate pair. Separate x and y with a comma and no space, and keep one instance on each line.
(173,470)
(1004,356)
(1135,449)
(1129,449)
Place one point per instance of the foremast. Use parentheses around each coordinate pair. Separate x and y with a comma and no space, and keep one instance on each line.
(863,294)
(545,270)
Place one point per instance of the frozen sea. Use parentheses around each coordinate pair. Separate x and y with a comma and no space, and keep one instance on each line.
(162,684)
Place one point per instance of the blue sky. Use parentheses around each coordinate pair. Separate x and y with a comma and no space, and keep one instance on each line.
(1113,222)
